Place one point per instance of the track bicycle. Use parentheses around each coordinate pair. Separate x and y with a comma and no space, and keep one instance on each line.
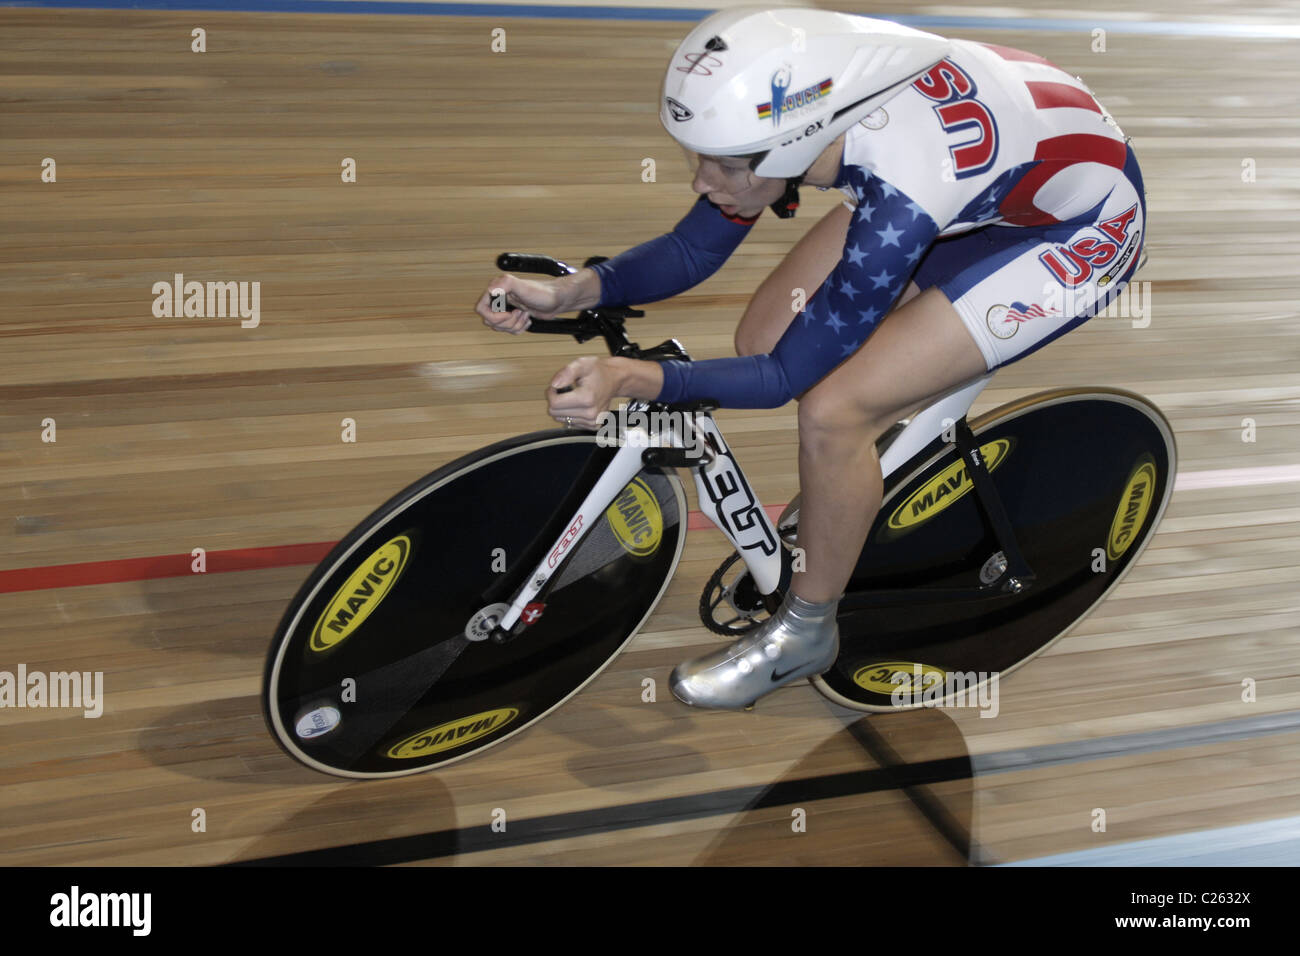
(483,596)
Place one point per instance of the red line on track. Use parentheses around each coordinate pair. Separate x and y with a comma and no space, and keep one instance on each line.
(162,566)
(280,556)
(217,562)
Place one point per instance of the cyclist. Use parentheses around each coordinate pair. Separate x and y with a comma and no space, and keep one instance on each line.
(989,178)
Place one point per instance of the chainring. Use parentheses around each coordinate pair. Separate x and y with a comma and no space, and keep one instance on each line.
(732,607)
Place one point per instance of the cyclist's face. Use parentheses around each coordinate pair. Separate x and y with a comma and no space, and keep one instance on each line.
(730,183)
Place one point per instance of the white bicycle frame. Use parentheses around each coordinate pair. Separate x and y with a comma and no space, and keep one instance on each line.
(725,496)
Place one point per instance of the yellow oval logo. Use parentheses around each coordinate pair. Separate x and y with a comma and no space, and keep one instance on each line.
(1133,508)
(361,594)
(452,734)
(636,520)
(943,489)
(910,678)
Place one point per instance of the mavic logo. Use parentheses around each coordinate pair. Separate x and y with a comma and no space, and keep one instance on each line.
(452,734)
(937,494)
(360,594)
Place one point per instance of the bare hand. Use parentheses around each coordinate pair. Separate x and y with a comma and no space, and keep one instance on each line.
(592,386)
(510,300)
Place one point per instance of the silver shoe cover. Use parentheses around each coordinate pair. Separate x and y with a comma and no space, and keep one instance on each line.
(799,640)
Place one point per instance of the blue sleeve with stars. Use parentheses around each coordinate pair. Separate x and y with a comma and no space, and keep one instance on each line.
(886,238)
(674,262)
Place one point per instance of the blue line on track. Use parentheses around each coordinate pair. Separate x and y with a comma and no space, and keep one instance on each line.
(1264,31)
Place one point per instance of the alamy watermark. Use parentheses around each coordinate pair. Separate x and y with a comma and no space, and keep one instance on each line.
(641,428)
(1133,301)
(83,689)
(75,908)
(208,300)
(931,687)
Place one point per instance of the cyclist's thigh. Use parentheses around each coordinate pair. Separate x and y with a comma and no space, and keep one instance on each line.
(988,298)
(1018,289)
(920,351)
(806,267)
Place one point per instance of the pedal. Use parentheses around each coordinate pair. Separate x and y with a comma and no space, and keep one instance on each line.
(732,606)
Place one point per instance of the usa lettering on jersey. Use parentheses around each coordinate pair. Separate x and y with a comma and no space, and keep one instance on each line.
(958,110)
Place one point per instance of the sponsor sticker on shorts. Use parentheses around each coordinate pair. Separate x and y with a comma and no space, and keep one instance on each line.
(1004,321)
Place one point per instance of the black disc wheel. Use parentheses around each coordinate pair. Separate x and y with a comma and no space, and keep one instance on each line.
(1084,475)
(381,665)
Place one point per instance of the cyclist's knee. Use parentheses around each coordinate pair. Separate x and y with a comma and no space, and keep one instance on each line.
(828,413)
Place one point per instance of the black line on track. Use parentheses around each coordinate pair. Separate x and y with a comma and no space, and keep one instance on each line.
(444,843)
(933,809)
(628,816)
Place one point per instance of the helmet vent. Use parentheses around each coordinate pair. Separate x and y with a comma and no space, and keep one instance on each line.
(715,44)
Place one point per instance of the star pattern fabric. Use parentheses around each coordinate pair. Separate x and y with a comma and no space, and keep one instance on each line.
(887,237)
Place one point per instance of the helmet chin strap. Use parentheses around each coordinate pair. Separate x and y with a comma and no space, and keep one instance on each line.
(789,202)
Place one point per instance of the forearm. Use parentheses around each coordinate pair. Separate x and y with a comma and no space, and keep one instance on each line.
(674,262)
(748,381)
(582,290)
(637,378)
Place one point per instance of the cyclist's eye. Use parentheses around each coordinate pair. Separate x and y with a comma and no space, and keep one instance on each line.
(735,174)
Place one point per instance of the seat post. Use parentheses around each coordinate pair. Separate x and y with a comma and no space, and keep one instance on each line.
(928,424)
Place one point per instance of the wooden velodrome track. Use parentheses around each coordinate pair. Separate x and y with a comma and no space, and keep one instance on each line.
(183,433)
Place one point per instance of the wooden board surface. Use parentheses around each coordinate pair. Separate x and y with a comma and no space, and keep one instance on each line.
(183,433)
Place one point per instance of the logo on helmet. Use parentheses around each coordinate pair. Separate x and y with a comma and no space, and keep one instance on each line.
(701,64)
(680,112)
(784,103)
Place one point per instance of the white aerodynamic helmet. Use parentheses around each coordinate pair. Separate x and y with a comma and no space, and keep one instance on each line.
(784,83)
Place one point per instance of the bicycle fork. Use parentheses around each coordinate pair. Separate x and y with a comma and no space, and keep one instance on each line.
(725,497)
